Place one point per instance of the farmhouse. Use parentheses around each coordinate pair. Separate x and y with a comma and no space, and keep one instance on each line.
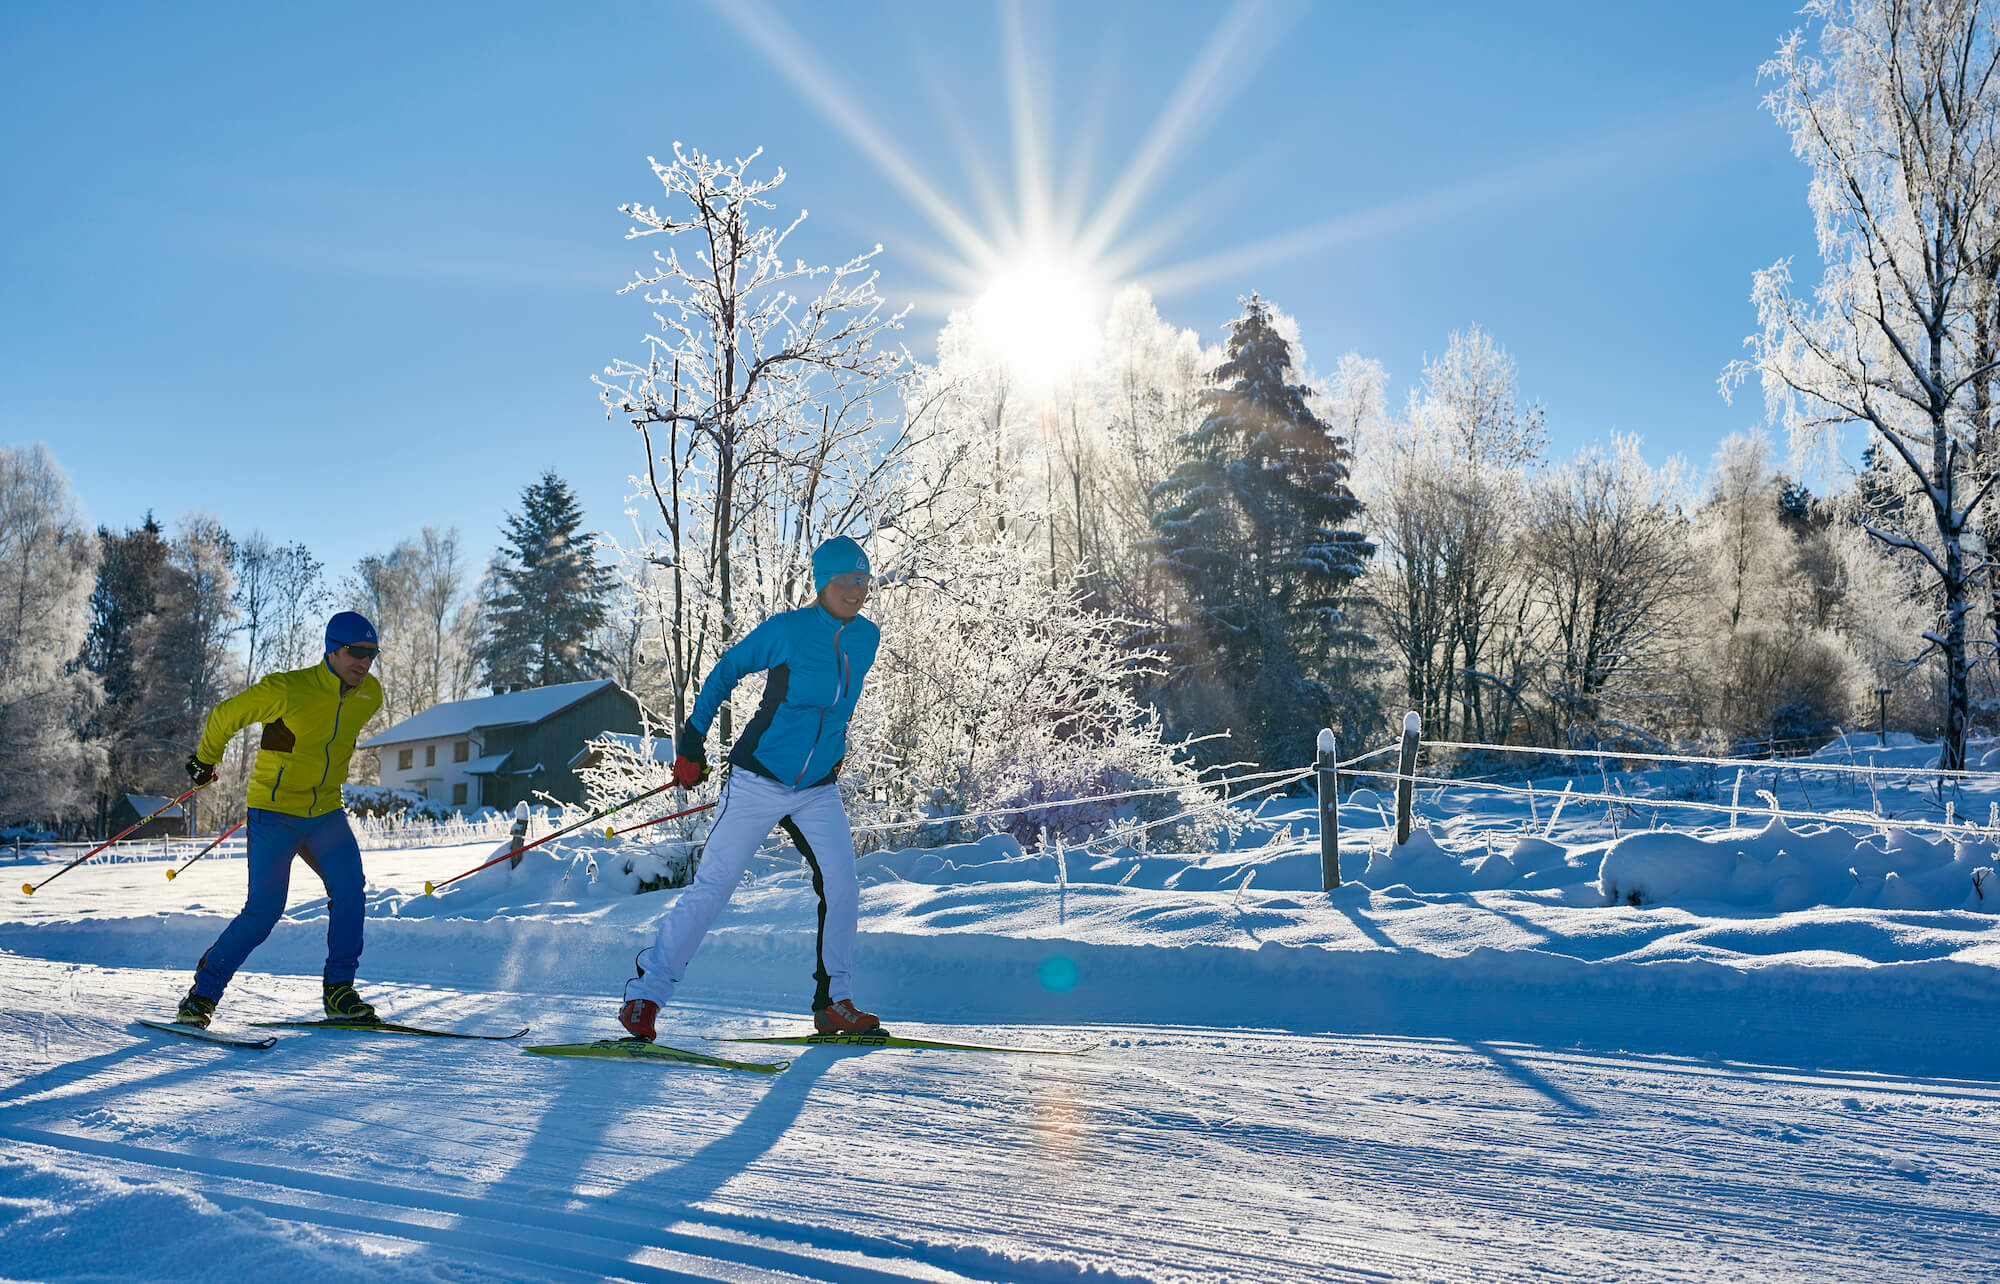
(498,750)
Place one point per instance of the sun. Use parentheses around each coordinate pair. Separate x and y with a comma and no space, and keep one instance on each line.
(1042,317)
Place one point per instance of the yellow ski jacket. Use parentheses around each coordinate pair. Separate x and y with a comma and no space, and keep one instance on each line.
(310,728)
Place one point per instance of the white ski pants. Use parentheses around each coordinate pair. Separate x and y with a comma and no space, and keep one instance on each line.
(749,808)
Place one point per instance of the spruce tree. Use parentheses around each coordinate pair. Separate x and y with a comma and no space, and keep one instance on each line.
(546,595)
(1251,528)
(144,731)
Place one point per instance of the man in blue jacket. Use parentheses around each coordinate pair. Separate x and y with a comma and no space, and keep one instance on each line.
(783,770)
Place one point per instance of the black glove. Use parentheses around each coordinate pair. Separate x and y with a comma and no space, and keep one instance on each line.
(200,772)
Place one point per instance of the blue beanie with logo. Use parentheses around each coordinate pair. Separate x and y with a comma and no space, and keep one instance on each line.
(348,626)
(838,556)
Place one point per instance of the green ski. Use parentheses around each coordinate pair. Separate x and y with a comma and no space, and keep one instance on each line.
(382,1027)
(640,1050)
(883,1039)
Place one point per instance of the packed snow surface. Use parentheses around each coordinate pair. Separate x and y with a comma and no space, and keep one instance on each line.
(1633,1042)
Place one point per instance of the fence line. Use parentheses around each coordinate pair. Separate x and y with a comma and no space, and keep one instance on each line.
(1865,819)
(1748,764)
(1288,777)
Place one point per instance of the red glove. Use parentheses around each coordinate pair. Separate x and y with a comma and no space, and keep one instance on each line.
(688,773)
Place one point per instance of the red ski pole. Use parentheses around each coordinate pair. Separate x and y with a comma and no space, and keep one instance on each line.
(609,832)
(31,888)
(172,874)
(430,888)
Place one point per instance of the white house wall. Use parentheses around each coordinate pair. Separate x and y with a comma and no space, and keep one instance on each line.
(434,768)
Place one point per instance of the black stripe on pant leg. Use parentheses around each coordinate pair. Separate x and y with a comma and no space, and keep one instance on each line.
(821,978)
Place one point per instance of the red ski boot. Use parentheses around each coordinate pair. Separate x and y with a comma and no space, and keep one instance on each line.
(842,1017)
(638,1016)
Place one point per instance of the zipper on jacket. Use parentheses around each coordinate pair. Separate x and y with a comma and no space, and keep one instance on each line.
(839,691)
(326,771)
(275,783)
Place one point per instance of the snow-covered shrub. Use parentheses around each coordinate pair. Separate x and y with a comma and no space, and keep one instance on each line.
(379,801)
(990,692)
(657,856)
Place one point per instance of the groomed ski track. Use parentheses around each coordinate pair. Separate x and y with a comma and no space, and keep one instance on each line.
(1172,1153)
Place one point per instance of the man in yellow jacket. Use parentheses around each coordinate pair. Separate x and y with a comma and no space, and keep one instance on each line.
(311,719)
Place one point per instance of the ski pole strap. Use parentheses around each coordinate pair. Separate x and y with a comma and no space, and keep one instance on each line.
(511,853)
(172,874)
(30,889)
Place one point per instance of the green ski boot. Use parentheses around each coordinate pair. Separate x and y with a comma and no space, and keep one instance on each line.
(195,1009)
(343,1004)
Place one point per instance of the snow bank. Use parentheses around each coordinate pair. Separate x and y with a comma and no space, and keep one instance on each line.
(1780,869)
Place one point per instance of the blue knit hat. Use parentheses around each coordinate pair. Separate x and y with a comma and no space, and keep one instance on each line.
(348,626)
(838,556)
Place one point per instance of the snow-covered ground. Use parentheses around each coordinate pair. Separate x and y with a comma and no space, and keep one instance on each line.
(1783,1062)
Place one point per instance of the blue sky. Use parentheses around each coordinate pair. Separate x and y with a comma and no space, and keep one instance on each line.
(339,273)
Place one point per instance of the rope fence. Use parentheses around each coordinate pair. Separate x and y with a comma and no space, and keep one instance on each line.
(1746,764)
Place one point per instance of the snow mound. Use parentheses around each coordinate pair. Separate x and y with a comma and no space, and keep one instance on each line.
(1780,869)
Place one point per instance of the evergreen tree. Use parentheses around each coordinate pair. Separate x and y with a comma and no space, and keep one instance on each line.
(546,595)
(1251,529)
(160,616)
(136,725)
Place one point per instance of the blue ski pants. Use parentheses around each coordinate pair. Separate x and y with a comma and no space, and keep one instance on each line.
(328,845)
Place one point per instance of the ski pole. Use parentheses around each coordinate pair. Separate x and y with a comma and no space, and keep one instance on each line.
(609,832)
(30,889)
(172,874)
(431,888)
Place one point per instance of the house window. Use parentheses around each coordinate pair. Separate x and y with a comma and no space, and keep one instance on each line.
(461,750)
(405,758)
(458,794)
(430,755)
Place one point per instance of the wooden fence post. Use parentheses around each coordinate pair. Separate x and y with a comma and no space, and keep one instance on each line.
(1329,812)
(1406,767)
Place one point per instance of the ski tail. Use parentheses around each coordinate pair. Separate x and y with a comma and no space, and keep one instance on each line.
(641,1050)
(188,1031)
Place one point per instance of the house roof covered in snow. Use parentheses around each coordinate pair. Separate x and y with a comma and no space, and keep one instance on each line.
(662,747)
(462,717)
(143,803)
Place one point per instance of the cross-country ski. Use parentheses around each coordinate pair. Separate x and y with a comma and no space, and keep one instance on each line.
(631,1049)
(386,1027)
(206,1035)
(883,1039)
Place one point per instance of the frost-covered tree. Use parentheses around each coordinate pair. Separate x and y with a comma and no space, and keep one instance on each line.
(1445,494)
(1609,567)
(757,407)
(1251,532)
(283,602)
(1767,661)
(546,595)
(1896,117)
(48,566)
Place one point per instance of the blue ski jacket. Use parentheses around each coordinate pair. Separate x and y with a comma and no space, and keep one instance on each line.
(814,665)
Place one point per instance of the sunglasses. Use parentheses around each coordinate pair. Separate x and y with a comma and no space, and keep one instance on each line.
(853,579)
(363,652)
